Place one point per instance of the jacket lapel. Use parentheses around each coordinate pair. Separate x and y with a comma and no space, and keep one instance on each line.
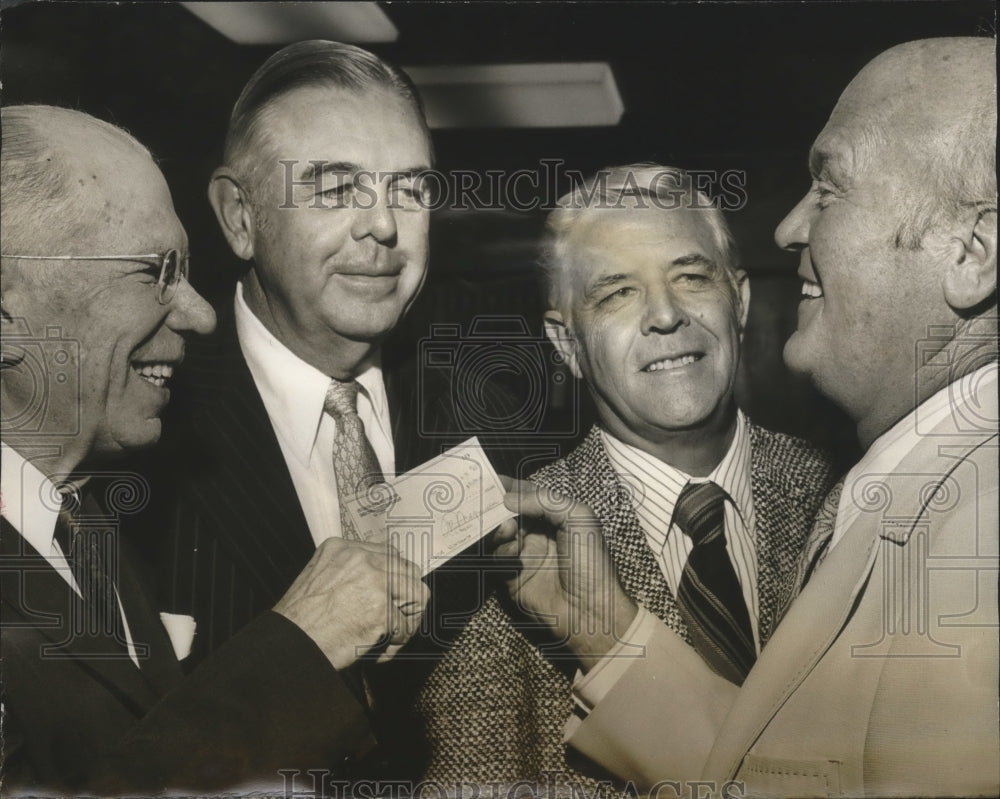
(820,612)
(789,482)
(245,490)
(613,503)
(36,596)
(813,623)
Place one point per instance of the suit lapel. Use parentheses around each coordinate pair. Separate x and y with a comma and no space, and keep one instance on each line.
(247,493)
(805,634)
(401,416)
(612,502)
(39,597)
(160,666)
(820,612)
(785,507)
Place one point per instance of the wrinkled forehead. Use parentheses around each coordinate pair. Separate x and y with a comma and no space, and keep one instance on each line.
(637,225)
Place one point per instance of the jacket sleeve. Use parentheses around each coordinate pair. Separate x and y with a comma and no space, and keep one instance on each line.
(659,720)
(265,707)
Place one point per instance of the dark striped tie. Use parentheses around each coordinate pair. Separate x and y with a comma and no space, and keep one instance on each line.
(709,596)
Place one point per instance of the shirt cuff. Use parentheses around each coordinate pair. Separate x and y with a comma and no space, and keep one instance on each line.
(592,687)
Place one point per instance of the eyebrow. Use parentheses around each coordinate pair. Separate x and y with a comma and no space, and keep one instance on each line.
(349,168)
(603,282)
(610,280)
(328,168)
(827,165)
(694,258)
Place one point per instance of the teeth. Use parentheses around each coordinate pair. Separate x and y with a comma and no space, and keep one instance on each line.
(810,289)
(671,363)
(156,373)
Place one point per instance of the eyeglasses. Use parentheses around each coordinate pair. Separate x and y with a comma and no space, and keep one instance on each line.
(172,265)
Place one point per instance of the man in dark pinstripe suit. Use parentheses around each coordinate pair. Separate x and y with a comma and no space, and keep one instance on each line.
(648,308)
(319,194)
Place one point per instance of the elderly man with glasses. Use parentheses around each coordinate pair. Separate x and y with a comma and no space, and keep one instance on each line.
(94,697)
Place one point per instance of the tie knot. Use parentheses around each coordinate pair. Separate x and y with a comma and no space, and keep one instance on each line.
(699,512)
(341,398)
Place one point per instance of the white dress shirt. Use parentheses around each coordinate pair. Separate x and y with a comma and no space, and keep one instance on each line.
(28,502)
(655,486)
(293,392)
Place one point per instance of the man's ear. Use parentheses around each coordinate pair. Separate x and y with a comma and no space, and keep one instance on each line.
(742,298)
(562,339)
(970,277)
(232,210)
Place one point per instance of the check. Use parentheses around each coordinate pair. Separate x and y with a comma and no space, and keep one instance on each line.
(433,512)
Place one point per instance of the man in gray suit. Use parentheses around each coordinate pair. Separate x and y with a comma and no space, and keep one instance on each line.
(703,511)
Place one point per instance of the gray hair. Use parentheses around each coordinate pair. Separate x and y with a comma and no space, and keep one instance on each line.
(316,62)
(40,204)
(653,185)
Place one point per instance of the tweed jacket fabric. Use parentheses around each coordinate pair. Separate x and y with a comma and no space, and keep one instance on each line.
(495,706)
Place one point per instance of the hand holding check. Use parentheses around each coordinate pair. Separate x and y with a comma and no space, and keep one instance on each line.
(567,579)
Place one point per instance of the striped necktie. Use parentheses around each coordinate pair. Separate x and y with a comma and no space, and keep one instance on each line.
(709,596)
(91,550)
(354,461)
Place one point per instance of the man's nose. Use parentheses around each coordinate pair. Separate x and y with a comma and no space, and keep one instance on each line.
(375,217)
(189,311)
(663,312)
(793,231)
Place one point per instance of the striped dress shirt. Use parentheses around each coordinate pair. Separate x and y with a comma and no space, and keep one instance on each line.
(654,487)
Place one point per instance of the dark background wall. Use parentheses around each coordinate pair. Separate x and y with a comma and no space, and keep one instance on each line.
(706,86)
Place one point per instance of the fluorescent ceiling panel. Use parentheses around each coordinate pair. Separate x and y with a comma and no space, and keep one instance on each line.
(519,95)
(283,23)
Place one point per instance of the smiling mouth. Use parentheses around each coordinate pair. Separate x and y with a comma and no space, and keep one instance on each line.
(811,290)
(157,373)
(672,363)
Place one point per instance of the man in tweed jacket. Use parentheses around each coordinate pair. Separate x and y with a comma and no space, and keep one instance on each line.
(649,310)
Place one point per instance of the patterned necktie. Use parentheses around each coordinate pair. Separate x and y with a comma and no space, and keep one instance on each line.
(354,461)
(709,596)
(90,549)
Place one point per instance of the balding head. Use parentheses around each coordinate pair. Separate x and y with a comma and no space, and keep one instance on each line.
(53,160)
(932,103)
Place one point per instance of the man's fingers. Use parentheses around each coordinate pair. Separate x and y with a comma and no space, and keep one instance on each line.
(505,531)
(541,502)
(509,549)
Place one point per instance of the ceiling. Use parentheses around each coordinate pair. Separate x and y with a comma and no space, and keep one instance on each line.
(705,85)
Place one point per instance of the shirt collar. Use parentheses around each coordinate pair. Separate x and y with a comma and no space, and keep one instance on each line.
(732,474)
(28,499)
(293,391)
(961,400)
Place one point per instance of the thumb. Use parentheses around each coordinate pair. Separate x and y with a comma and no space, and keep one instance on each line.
(540,502)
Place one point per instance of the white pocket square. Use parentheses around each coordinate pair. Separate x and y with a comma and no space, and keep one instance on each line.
(180,629)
